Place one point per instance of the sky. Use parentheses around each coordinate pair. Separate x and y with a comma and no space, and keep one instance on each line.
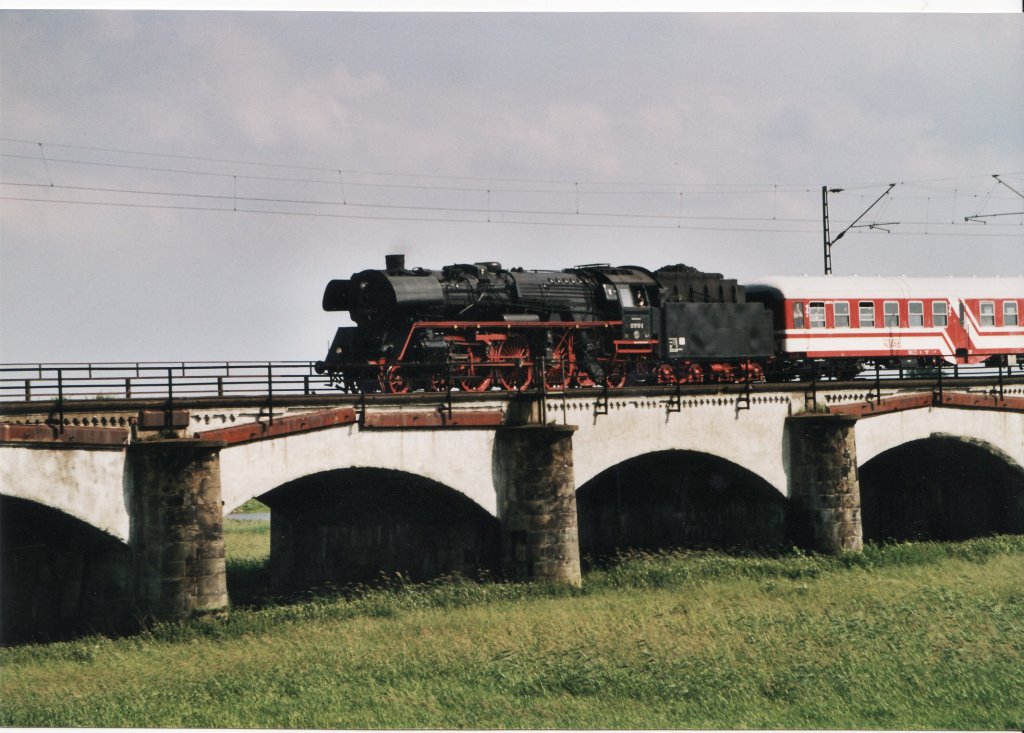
(182,185)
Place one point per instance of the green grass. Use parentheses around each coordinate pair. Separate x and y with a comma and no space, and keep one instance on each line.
(247,548)
(903,636)
(246,539)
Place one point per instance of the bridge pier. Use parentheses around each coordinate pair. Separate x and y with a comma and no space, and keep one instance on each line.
(177,528)
(537,503)
(824,488)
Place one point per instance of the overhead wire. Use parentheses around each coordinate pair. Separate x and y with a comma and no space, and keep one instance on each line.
(409,207)
(700,189)
(492,212)
(569,183)
(448,219)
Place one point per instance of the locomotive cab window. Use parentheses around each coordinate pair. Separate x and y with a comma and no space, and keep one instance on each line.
(639,296)
(798,315)
(891,314)
(988,313)
(866,312)
(842,310)
(1010,313)
(939,317)
(610,292)
(816,311)
(916,311)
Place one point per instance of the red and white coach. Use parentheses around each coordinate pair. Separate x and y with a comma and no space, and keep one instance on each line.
(895,320)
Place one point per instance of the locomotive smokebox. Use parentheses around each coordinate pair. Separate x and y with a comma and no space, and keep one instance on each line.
(394,263)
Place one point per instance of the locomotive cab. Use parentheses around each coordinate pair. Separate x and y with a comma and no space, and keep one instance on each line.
(634,293)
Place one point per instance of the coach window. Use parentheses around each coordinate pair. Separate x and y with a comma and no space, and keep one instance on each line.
(891,314)
(916,311)
(842,314)
(988,313)
(1009,312)
(939,317)
(817,315)
(798,315)
(867,314)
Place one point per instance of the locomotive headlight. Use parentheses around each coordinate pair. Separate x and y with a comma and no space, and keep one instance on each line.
(337,349)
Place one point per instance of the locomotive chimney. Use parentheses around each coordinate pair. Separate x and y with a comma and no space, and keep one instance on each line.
(394,262)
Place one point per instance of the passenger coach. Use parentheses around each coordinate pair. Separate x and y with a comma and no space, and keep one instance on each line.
(832,325)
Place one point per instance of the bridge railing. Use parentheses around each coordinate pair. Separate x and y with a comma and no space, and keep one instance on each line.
(156,380)
(176,380)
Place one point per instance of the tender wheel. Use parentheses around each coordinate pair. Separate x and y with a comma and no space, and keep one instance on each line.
(666,374)
(692,374)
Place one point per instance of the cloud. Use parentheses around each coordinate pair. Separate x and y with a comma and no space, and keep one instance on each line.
(689,99)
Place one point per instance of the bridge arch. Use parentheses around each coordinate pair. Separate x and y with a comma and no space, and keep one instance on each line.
(1001,430)
(678,498)
(713,426)
(355,525)
(91,485)
(460,460)
(942,487)
(59,575)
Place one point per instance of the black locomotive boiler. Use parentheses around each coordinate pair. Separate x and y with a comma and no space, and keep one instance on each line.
(479,326)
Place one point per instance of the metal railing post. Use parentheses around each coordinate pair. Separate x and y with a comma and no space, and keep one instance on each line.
(270,391)
(448,383)
(543,391)
(60,398)
(169,415)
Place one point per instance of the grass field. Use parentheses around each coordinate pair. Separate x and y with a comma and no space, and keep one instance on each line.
(903,636)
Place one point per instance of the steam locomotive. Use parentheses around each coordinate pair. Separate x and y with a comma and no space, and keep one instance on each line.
(475,327)
(479,326)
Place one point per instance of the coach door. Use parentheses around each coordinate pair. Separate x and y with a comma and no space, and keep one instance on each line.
(951,315)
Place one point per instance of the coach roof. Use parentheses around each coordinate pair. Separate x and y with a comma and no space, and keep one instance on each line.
(830,287)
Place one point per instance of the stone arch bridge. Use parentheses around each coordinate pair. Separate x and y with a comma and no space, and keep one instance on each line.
(122,507)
